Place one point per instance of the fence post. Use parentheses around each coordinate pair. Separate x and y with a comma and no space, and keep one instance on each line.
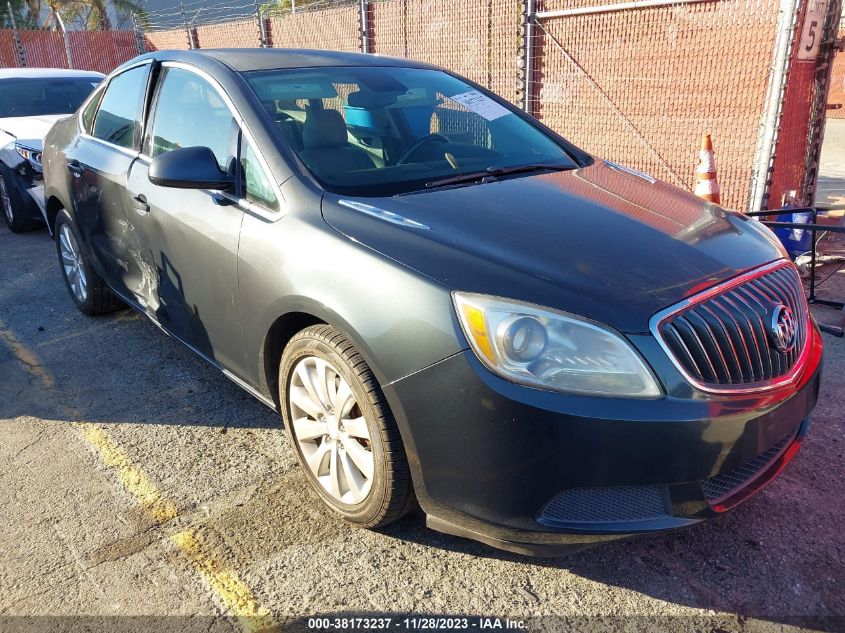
(364,16)
(16,36)
(764,151)
(65,38)
(527,52)
(139,35)
(264,39)
(188,33)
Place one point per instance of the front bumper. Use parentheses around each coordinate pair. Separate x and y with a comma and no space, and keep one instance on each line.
(488,456)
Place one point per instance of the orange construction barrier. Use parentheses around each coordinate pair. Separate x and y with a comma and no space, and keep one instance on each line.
(706,184)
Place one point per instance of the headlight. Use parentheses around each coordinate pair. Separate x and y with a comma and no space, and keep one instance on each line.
(33,157)
(552,350)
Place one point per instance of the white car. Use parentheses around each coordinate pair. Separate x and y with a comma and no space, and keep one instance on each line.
(31,100)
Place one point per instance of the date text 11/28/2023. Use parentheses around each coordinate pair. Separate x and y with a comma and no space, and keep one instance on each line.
(413,623)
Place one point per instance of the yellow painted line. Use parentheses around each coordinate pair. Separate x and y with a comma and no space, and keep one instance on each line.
(235,596)
(26,356)
(131,476)
(231,592)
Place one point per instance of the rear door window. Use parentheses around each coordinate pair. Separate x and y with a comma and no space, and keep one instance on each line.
(118,120)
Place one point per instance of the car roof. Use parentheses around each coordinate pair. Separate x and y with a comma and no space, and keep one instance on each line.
(249,59)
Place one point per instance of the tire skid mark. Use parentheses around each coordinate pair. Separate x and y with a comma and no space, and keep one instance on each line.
(225,585)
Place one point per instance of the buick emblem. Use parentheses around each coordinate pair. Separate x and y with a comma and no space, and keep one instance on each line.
(783,329)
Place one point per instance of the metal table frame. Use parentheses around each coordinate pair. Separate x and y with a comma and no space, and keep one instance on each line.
(814,227)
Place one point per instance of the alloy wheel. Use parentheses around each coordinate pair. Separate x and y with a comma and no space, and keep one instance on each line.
(6,200)
(72,263)
(331,431)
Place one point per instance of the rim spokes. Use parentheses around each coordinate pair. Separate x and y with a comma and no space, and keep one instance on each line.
(355,481)
(316,457)
(301,398)
(307,429)
(356,427)
(333,441)
(343,400)
(360,456)
(72,263)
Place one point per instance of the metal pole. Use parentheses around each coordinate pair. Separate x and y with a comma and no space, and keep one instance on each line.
(65,37)
(528,51)
(765,149)
(293,6)
(187,28)
(262,27)
(363,10)
(812,297)
(139,36)
(17,37)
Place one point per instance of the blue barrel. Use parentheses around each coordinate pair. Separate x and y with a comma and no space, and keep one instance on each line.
(795,241)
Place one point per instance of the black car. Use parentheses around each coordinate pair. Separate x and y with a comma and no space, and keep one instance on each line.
(446,301)
(31,100)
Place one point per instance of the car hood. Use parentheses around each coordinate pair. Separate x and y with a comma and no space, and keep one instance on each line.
(29,127)
(599,242)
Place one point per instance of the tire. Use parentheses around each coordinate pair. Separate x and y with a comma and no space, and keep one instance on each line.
(13,203)
(389,493)
(87,289)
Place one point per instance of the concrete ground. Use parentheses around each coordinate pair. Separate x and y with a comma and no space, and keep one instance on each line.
(831,184)
(141,491)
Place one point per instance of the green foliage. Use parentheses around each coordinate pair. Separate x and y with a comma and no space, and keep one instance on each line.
(284,7)
(91,15)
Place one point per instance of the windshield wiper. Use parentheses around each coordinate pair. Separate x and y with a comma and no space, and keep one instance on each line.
(493,172)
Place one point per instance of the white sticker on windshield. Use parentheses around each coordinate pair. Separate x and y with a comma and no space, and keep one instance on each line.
(481,104)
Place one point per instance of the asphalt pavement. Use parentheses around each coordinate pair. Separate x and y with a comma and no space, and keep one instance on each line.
(141,490)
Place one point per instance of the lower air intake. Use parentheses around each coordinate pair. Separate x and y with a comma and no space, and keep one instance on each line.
(717,489)
(620,504)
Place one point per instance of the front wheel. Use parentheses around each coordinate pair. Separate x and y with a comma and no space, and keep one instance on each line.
(342,430)
(87,289)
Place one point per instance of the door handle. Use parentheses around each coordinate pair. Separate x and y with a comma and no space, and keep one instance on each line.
(139,203)
(75,168)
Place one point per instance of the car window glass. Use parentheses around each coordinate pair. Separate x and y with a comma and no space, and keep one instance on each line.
(89,112)
(190,113)
(257,188)
(44,95)
(376,131)
(118,120)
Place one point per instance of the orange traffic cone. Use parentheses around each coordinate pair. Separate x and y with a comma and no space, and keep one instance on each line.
(706,184)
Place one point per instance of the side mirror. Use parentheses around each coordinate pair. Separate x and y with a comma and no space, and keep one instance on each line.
(189,168)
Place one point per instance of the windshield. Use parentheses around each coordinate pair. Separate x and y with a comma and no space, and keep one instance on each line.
(373,131)
(37,96)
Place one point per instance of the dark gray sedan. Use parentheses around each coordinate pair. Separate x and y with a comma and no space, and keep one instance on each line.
(447,302)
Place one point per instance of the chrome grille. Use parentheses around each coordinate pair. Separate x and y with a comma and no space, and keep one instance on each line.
(723,337)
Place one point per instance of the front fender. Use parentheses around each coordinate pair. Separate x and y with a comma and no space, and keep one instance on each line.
(399,320)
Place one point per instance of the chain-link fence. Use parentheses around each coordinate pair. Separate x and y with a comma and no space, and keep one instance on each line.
(636,81)
(641,85)
(837,83)
(59,48)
